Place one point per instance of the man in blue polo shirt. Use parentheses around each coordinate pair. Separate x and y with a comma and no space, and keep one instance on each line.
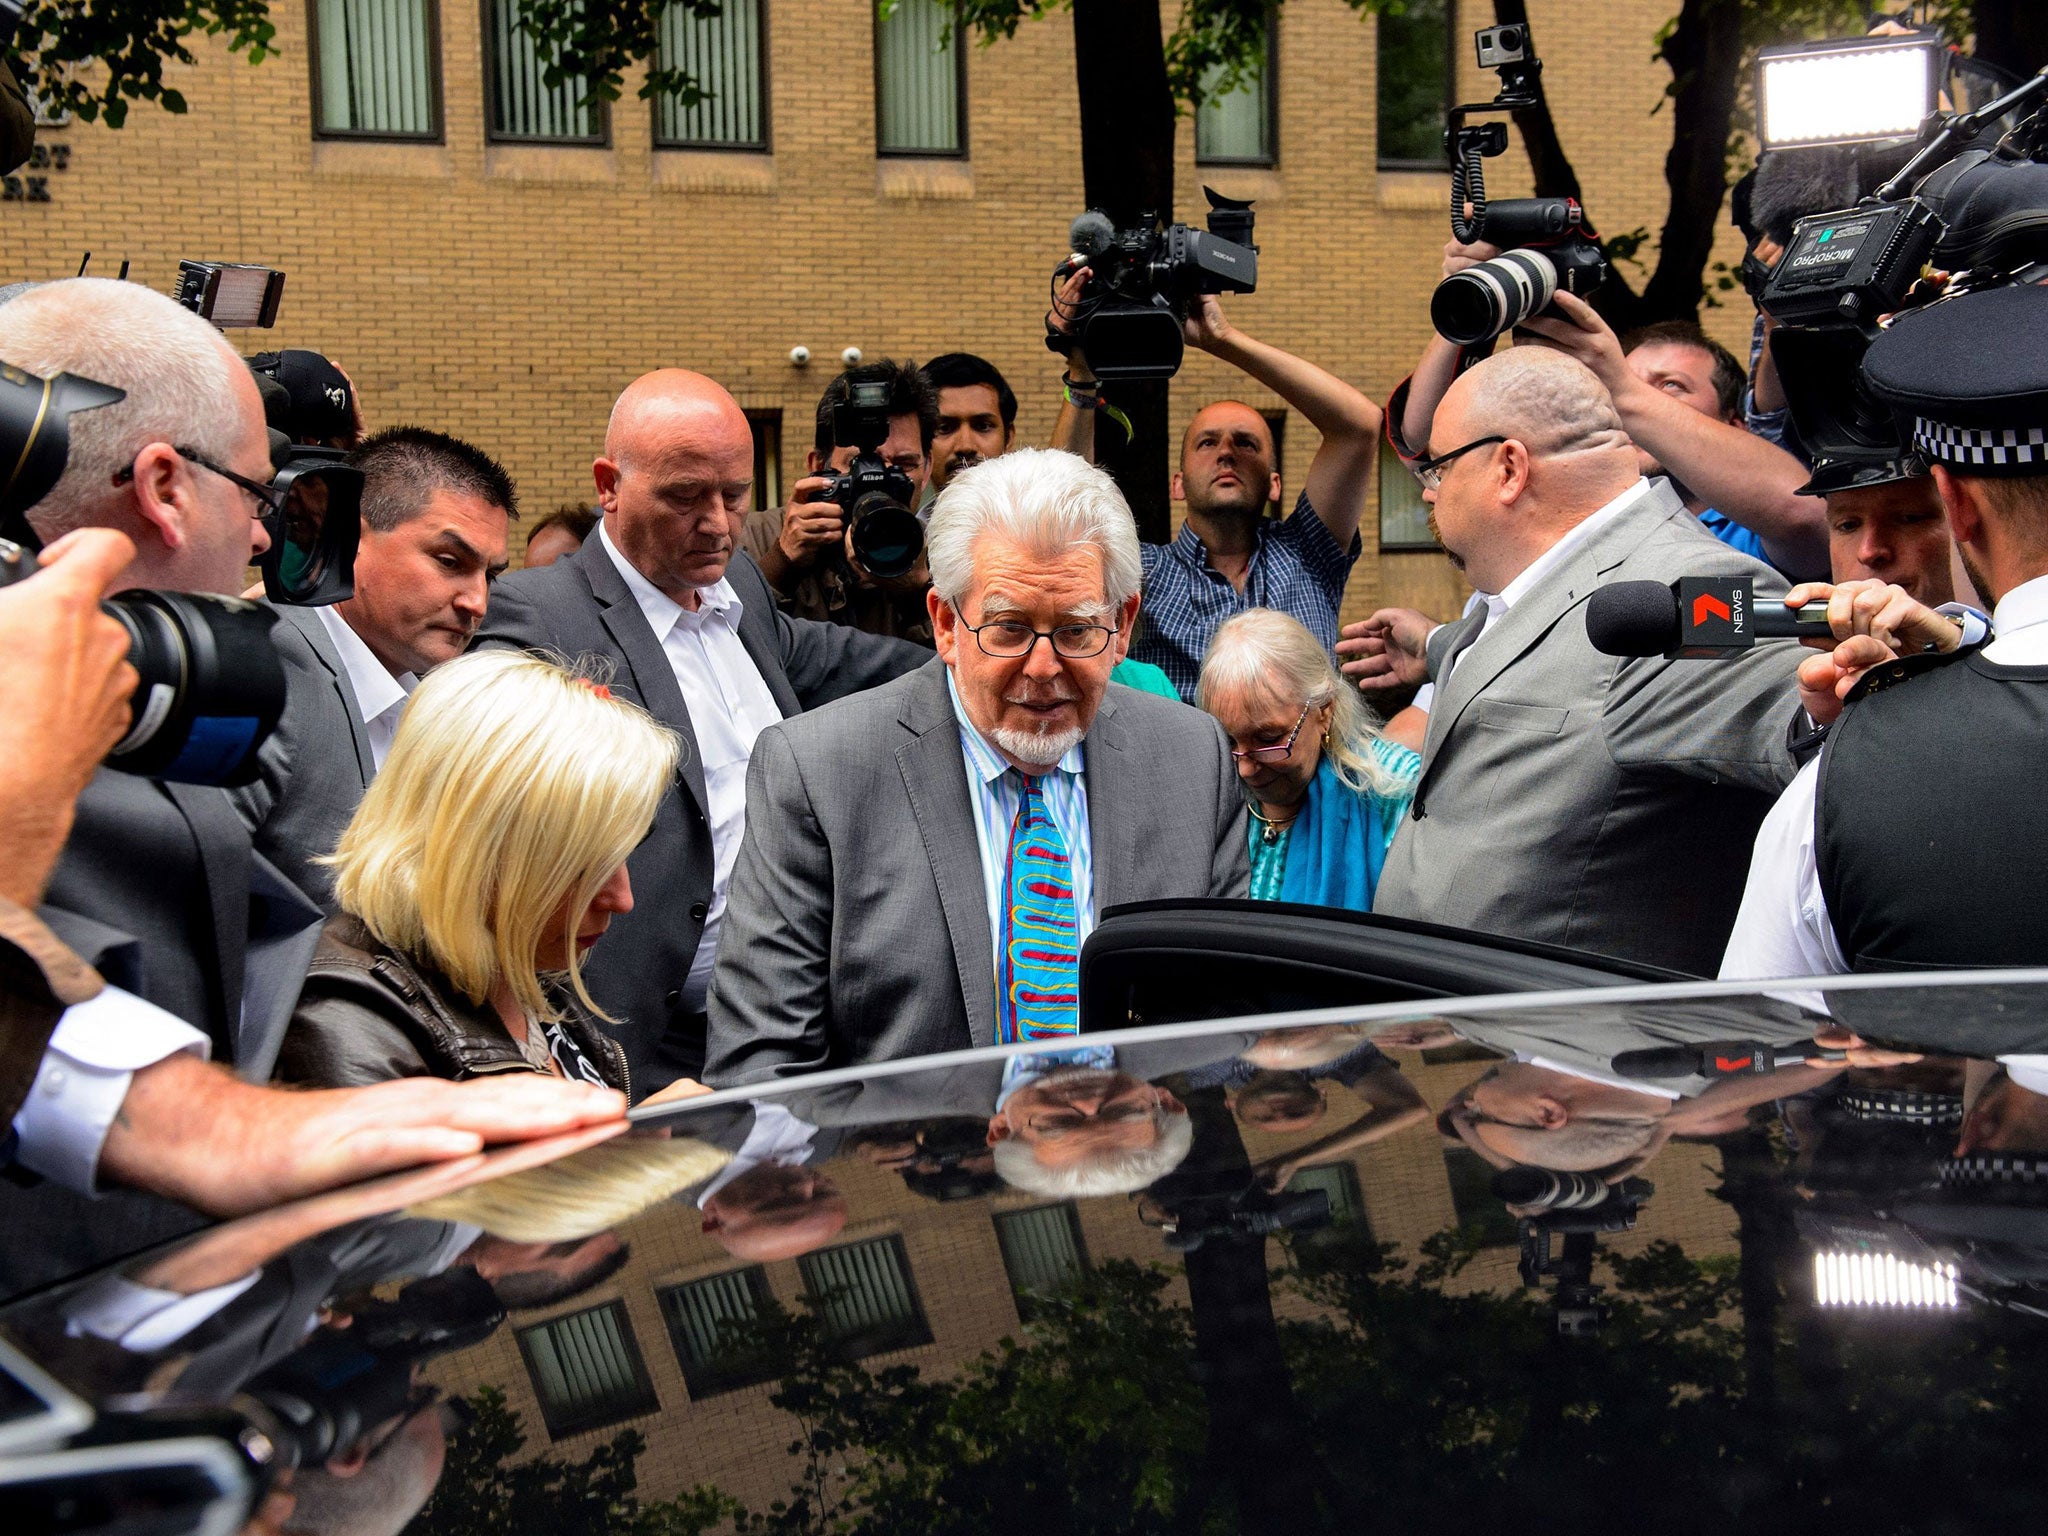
(1229,555)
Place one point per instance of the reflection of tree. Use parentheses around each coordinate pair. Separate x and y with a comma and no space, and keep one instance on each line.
(1428,1411)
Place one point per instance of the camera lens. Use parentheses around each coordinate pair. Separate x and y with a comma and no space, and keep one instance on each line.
(1548,1189)
(211,686)
(1490,297)
(887,537)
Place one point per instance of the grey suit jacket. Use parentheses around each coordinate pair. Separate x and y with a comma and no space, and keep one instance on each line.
(1588,800)
(580,607)
(857,924)
(314,768)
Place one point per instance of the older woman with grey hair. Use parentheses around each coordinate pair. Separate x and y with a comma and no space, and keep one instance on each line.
(1326,790)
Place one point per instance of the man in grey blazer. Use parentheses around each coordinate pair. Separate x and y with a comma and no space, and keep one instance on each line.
(437,517)
(687,628)
(922,862)
(1569,796)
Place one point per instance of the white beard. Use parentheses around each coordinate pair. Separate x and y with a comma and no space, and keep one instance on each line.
(1039,748)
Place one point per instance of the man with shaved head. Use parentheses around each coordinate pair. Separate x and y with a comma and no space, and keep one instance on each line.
(1566,795)
(690,631)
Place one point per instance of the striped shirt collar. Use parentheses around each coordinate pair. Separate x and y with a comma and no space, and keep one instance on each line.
(986,762)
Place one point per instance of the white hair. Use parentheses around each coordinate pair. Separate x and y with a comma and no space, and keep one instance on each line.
(179,372)
(1118,1172)
(1264,652)
(1045,500)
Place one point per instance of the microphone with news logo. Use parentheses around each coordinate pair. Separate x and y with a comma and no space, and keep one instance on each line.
(1696,617)
(1720,1058)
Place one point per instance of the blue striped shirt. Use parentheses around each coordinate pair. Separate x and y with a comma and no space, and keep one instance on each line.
(1296,567)
(997,790)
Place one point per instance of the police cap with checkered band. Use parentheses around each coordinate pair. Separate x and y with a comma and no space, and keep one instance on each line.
(1970,377)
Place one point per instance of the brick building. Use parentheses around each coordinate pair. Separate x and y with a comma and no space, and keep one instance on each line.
(486,259)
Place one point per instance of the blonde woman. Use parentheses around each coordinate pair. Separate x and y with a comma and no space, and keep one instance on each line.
(487,856)
(1325,789)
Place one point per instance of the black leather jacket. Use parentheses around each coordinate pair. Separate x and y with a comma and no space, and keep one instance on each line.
(368,1014)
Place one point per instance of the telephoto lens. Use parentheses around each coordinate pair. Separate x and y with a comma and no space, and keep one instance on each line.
(1550,1189)
(1490,297)
(887,537)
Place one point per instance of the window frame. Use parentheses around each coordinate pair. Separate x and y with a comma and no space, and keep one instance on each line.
(764,75)
(764,424)
(1443,161)
(715,1383)
(852,1347)
(1399,545)
(493,134)
(959,91)
(1269,79)
(568,1429)
(437,135)
(1000,1221)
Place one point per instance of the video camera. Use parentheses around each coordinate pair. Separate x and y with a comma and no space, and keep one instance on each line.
(1553,245)
(1145,279)
(1977,212)
(1250,1213)
(876,496)
(1577,1207)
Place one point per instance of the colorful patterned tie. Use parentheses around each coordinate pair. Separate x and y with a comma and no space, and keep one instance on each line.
(1038,965)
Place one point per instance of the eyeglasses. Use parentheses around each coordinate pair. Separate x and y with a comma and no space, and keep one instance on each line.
(1009,639)
(269,499)
(1052,1124)
(1280,749)
(1431,471)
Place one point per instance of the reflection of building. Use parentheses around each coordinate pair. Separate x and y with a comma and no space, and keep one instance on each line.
(934,1285)
(486,259)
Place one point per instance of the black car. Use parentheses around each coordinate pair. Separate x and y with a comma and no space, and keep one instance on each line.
(1632,1255)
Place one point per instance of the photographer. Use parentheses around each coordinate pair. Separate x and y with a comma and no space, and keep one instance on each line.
(977,414)
(806,549)
(1229,556)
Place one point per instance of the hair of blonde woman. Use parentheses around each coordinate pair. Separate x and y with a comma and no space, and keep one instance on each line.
(179,373)
(1045,500)
(1266,655)
(576,1197)
(514,786)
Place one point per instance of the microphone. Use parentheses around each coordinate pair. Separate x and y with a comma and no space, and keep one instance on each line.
(1695,618)
(1717,1058)
(1091,233)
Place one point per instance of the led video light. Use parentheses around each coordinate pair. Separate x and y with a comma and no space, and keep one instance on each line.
(1845,93)
(1865,1279)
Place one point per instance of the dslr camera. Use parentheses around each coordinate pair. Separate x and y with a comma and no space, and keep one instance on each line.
(1145,279)
(876,496)
(1551,246)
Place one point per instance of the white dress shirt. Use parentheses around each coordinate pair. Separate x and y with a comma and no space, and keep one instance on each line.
(729,706)
(95,1051)
(380,697)
(1783,927)
(997,790)
(1498,603)
(776,1136)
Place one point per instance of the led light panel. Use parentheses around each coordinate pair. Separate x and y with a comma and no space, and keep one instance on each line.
(1862,1279)
(1845,95)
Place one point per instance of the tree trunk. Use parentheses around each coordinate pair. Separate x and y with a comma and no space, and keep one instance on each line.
(1704,51)
(1126,114)
(2012,34)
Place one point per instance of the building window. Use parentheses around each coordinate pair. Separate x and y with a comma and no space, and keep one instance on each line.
(1404,515)
(865,1297)
(1041,1251)
(1241,127)
(586,1370)
(376,69)
(524,107)
(920,79)
(1276,424)
(726,56)
(1348,1225)
(767,427)
(1416,81)
(1481,1214)
(701,1317)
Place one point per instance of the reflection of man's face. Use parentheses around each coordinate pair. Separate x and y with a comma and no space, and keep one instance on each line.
(1518,1110)
(2005,1118)
(1075,1113)
(774,1212)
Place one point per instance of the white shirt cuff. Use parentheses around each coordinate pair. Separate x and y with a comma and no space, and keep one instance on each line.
(1975,626)
(141,1317)
(96,1050)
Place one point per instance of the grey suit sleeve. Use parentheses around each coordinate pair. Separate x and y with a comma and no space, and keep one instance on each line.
(1231,868)
(771,992)
(829,661)
(1710,719)
(512,621)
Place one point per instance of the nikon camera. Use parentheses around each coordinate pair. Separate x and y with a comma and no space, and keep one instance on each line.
(874,495)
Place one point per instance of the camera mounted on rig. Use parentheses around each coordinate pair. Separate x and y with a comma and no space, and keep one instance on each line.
(1965,206)
(875,496)
(1576,1207)
(1548,245)
(1145,279)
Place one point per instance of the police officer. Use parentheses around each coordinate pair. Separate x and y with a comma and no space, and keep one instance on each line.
(1919,837)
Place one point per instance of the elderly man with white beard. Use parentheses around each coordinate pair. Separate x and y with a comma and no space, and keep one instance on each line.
(923,861)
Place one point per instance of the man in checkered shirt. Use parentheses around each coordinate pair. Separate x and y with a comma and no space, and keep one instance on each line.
(1229,556)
